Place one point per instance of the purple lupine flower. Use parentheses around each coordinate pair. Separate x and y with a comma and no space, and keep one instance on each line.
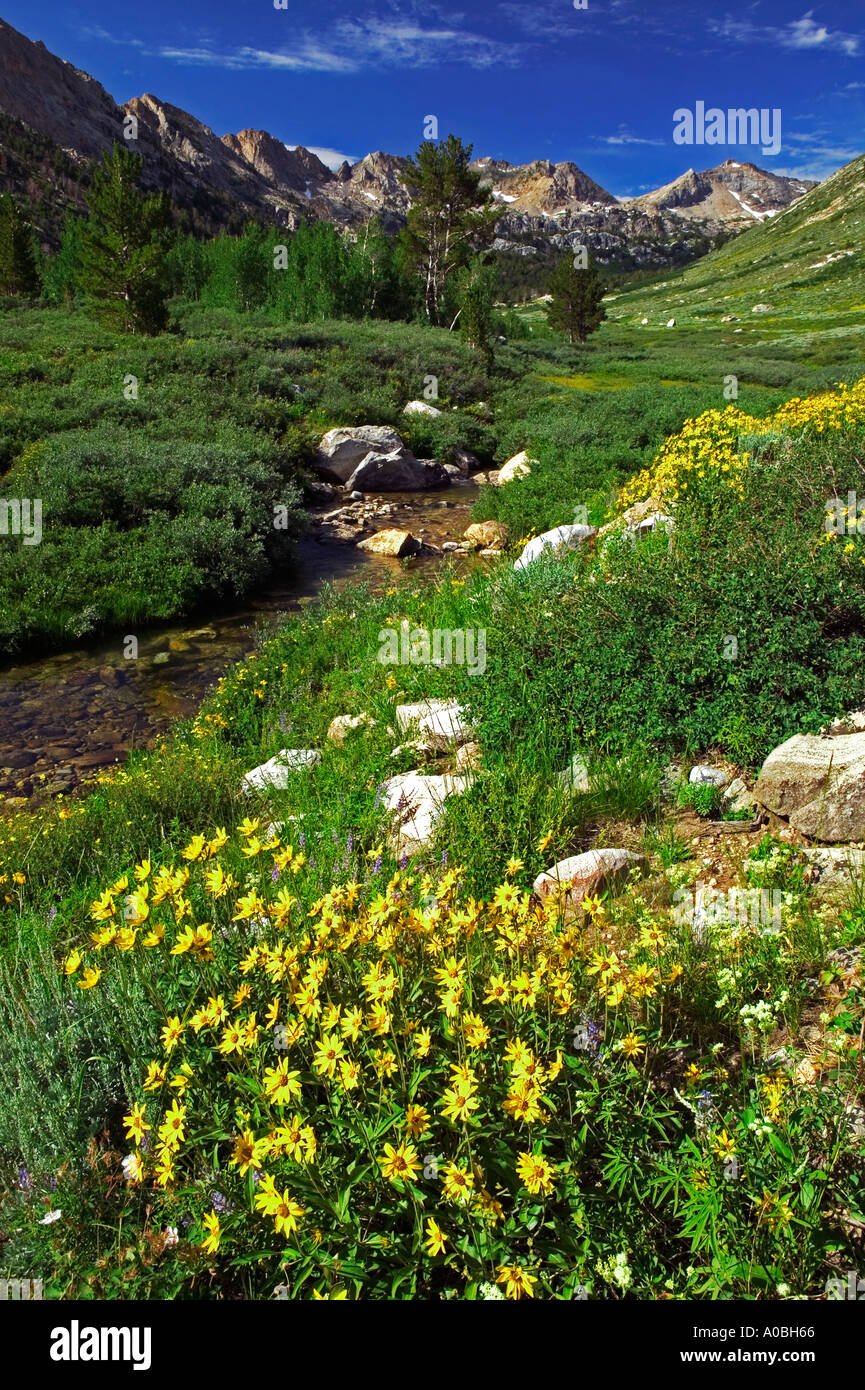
(220,1203)
(302,840)
(274,875)
(403,863)
(378,796)
(349,841)
(52,913)
(704,1100)
(376,868)
(444,858)
(593,1033)
(25,1182)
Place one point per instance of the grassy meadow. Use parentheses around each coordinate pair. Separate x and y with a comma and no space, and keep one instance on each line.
(250,1049)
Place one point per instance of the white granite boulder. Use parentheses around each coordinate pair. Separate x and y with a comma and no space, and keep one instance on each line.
(818,784)
(276,773)
(416,803)
(341,450)
(516,467)
(396,471)
(582,875)
(558,540)
(440,724)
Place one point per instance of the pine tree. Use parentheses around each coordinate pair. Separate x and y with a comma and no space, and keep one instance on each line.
(450,217)
(123,246)
(18,273)
(576,307)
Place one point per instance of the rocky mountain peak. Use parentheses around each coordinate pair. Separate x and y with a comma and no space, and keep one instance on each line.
(223,181)
(291,168)
(541,187)
(735,192)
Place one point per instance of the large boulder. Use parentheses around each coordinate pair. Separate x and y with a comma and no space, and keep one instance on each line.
(420,408)
(581,875)
(818,784)
(557,540)
(392,542)
(396,471)
(440,724)
(516,467)
(275,774)
(416,803)
(492,535)
(341,450)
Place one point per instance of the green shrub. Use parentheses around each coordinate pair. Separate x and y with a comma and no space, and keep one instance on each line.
(704,797)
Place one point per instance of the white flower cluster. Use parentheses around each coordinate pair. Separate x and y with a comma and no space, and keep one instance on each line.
(617,1271)
(761,1017)
(761,1129)
(727,981)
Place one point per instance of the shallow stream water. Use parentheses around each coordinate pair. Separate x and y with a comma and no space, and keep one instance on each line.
(66,714)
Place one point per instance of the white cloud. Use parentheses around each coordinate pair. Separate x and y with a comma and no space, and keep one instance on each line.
(308,56)
(818,154)
(332,158)
(806,33)
(349,45)
(101,35)
(798,35)
(624,137)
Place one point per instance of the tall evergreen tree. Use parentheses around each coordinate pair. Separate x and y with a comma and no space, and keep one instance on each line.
(18,273)
(576,307)
(451,216)
(123,246)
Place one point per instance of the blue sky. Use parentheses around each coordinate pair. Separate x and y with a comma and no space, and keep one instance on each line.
(521,80)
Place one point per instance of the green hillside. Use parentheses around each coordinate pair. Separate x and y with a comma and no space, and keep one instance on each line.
(806,262)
